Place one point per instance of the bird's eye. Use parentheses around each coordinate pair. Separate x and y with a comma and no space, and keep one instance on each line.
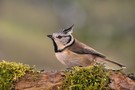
(59,37)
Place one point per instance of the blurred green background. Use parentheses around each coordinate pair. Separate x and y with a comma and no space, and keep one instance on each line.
(106,25)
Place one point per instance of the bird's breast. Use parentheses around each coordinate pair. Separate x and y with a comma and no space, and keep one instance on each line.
(70,58)
(62,57)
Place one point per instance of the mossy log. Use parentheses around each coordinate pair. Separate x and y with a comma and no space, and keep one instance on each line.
(18,76)
(54,81)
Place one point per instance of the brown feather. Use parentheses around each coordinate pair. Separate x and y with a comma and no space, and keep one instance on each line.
(81,48)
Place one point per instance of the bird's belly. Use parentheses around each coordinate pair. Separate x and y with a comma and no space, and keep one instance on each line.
(72,59)
(63,58)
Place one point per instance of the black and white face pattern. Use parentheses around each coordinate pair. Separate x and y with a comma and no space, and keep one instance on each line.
(62,39)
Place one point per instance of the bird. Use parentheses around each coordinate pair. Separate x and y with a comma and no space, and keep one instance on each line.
(71,52)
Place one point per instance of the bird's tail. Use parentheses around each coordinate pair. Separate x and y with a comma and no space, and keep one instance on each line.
(106,61)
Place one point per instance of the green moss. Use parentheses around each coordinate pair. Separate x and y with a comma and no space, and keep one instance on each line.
(86,78)
(10,72)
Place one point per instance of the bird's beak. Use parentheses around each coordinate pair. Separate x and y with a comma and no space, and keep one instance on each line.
(50,36)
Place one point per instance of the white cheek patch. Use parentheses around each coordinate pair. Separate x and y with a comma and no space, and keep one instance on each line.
(65,40)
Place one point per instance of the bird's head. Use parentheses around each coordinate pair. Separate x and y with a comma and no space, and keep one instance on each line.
(62,38)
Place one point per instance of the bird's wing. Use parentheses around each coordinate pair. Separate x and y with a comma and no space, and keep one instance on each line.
(81,48)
